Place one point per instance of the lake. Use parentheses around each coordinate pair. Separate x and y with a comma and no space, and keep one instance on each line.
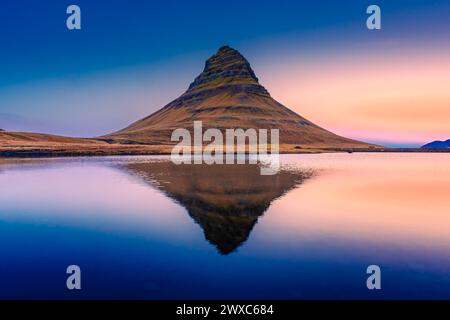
(143,228)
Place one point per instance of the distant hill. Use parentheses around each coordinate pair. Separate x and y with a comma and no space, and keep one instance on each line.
(39,139)
(437,145)
(227,94)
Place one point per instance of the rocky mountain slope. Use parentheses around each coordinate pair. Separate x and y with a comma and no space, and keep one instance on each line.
(227,94)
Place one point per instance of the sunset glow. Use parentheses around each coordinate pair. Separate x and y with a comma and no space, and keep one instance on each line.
(389,98)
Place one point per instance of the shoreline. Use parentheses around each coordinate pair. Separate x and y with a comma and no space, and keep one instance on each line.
(155,151)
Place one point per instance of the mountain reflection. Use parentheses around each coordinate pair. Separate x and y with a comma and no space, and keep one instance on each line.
(225,200)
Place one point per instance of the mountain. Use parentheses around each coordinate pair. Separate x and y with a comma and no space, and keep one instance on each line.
(226,211)
(227,94)
(437,145)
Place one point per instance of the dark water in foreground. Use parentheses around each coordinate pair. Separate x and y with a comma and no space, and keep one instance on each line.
(141,227)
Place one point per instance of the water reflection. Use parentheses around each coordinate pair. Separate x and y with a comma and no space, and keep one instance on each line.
(225,200)
(124,221)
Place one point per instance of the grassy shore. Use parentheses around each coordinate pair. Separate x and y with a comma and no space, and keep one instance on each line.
(16,144)
(110,150)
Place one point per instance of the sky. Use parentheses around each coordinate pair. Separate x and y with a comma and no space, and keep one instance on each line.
(130,58)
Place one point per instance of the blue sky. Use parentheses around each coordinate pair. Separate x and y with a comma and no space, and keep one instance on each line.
(117,33)
(95,80)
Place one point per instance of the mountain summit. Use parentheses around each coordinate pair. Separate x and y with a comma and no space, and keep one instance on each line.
(227,67)
(227,94)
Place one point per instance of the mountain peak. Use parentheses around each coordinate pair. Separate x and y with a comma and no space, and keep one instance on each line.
(226,48)
(226,67)
(226,95)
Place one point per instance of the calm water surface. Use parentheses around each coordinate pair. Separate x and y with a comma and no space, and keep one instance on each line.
(141,227)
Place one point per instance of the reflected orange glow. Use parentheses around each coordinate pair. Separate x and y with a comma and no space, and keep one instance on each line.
(399,201)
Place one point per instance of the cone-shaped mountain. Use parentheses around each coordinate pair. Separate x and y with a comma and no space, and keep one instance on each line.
(227,94)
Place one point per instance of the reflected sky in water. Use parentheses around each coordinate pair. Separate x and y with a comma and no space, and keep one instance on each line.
(141,227)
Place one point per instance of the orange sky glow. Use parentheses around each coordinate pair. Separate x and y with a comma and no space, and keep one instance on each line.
(378,97)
